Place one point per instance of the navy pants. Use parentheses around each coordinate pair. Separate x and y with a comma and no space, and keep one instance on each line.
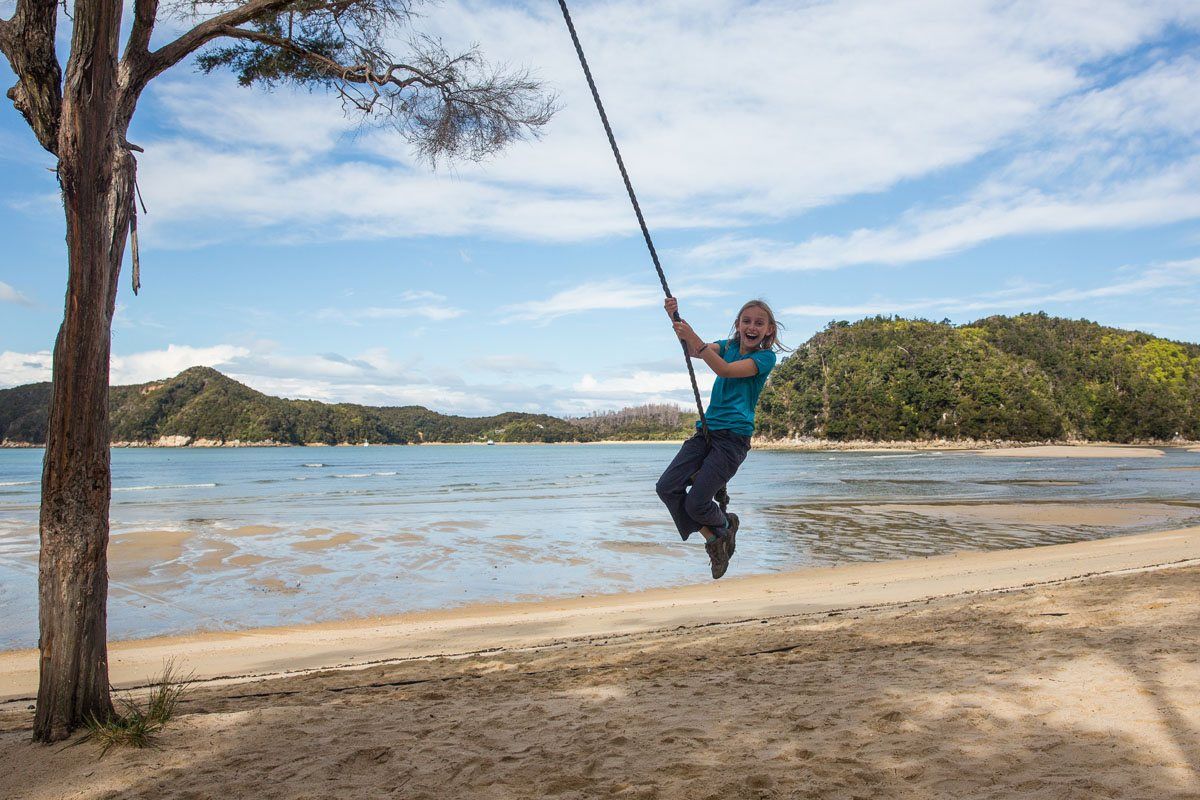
(712,467)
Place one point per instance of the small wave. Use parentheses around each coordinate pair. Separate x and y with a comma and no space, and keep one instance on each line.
(354,475)
(385,474)
(317,464)
(17,483)
(164,486)
(904,481)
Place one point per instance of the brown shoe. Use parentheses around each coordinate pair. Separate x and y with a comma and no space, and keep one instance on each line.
(730,537)
(718,556)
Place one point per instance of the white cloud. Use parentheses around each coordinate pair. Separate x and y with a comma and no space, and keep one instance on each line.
(426,305)
(1173,276)
(513,364)
(293,124)
(151,365)
(17,369)
(157,364)
(635,291)
(727,113)
(371,377)
(1116,155)
(1159,200)
(592,296)
(641,386)
(10,295)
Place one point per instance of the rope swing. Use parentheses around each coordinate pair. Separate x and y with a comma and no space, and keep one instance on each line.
(662,278)
(722,495)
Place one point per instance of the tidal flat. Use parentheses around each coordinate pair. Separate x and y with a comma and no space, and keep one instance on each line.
(232,539)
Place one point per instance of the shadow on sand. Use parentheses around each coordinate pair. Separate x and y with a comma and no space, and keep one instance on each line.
(1083,690)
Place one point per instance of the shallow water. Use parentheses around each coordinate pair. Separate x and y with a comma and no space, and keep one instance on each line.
(226,539)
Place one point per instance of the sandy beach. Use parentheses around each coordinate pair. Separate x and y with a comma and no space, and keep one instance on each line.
(1055,672)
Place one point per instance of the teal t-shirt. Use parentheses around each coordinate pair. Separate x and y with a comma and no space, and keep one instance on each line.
(733,400)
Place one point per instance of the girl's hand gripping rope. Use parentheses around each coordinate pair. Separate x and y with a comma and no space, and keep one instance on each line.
(684,331)
(671,304)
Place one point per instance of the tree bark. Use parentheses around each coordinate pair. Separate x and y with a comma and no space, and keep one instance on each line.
(96,172)
(28,42)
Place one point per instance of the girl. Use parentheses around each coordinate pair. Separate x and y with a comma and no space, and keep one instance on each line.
(742,363)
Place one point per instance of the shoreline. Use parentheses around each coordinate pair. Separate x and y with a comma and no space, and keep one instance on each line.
(485,628)
(817,445)
(207,444)
(1049,449)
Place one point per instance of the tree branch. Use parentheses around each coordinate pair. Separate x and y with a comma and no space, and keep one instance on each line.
(446,105)
(138,47)
(171,54)
(27,41)
(353,73)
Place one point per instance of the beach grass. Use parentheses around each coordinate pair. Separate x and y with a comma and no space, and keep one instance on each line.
(140,722)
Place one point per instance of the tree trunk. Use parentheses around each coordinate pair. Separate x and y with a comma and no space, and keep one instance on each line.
(96,173)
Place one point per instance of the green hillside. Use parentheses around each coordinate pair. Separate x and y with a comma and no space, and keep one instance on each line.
(1026,378)
(23,412)
(201,403)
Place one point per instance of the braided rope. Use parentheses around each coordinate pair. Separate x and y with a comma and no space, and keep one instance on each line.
(637,209)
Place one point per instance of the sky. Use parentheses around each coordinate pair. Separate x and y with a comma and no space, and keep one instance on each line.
(937,159)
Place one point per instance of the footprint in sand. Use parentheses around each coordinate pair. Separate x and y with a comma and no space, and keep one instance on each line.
(366,758)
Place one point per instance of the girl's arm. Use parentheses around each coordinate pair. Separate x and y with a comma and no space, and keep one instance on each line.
(710,354)
(742,368)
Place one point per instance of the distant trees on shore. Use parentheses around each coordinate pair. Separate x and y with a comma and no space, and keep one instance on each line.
(649,421)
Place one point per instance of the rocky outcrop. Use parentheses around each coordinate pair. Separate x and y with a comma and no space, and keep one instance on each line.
(173,441)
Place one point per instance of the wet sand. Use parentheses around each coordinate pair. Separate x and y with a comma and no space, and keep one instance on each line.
(211,577)
(257,530)
(337,540)
(480,627)
(135,556)
(1112,514)
(1073,451)
(1057,672)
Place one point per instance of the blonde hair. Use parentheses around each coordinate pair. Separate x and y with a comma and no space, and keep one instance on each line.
(769,342)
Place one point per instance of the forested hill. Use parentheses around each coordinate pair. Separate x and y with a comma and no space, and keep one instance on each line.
(200,405)
(1026,378)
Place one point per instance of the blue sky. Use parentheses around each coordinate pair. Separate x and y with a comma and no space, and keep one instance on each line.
(841,159)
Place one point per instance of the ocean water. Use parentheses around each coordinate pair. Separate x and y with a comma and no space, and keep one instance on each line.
(222,539)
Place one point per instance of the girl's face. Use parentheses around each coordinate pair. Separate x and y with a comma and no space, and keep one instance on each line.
(753,326)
